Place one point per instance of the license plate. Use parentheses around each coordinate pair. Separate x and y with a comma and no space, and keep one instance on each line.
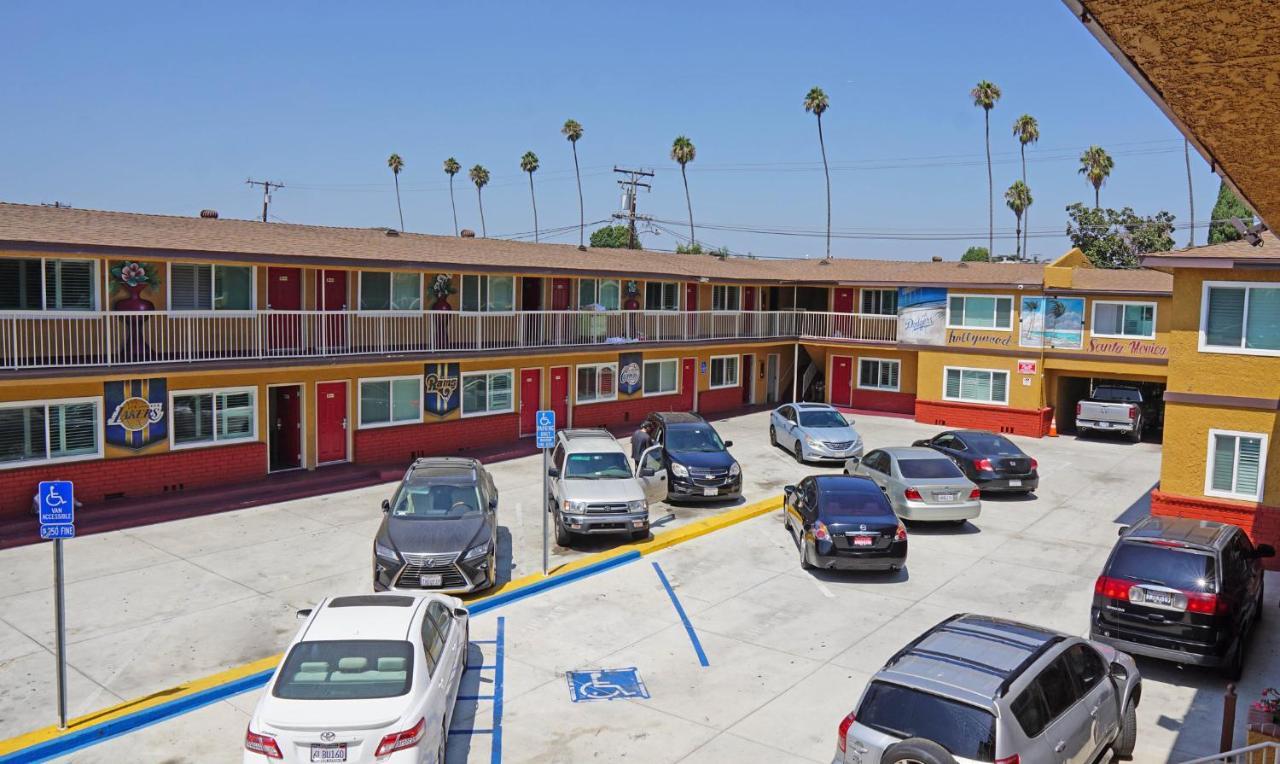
(1157,598)
(1103,425)
(710,491)
(863,541)
(1015,483)
(336,752)
(433,580)
(945,496)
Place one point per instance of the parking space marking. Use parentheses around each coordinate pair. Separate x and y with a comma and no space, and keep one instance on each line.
(497,667)
(684,618)
(823,588)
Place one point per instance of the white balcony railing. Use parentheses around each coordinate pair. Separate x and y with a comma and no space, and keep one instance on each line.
(51,339)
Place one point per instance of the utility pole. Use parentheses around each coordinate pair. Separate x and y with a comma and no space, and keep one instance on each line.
(267,185)
(629,185)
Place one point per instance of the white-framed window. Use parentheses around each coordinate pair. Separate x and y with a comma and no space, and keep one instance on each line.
(597,382)
(880,302)
(660,377)
(661,295)
(1124,320)
(488,392)
(975,385)
(34,283)
(604,292)
(878,374)
(1240,317)
(45,432)
(390,290)
(488,293)
(210,417)
(980,311)
(726,297)
(1236,465)
(387,401)
(201,286)
(724,371)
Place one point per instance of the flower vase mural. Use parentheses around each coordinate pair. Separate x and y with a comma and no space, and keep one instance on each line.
(1266,709)
(133,277)
(441,287)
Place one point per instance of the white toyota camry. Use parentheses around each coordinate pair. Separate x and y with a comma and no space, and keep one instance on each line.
(368,678)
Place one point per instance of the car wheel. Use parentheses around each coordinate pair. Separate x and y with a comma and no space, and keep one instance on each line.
(799,452)
(916,750)
(1127,740)
(773,436)
(804,558)
(562,533)
(1136,435)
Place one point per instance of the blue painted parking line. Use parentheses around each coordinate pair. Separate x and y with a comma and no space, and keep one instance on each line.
(482,667)
(474,697)
(495,755)
(688,627)
(470,732)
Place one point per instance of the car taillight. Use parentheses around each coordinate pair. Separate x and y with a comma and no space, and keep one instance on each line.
(398,741)
(1208,604)
(820,532)
(843,730)
(263,744)
(1112,588)
(1133,412)
(975,493)
(1079,408)
(1035,464)
(982,465)
(1014,759)
(912,494)
(901,535)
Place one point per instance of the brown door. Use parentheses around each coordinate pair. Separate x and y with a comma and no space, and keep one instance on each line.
(286,427)
(530,399)
(331,422)
(284,293)
(560,395)
(331,295)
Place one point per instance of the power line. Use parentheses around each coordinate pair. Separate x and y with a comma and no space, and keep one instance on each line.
(629,185)
(267,185)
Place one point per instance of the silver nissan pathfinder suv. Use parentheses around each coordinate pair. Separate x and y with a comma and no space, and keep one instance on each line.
(593,490)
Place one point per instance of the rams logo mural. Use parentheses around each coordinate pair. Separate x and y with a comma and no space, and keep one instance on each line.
(136,417)
(440,388)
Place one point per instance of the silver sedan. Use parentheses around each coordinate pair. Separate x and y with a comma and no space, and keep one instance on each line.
(814,432)
(920,483)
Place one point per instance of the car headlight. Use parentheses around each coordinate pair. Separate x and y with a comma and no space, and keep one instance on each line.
(385,551)
(679,470)
(734,470)
(811,440)
(638,505)
(477,551)
(574,507)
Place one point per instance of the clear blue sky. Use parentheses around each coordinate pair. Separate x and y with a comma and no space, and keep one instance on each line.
(169,107)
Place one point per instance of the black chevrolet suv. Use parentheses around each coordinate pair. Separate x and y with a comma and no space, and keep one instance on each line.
(698,463)
(1181,590)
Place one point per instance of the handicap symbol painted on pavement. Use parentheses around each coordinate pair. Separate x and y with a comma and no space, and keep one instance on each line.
(606,684)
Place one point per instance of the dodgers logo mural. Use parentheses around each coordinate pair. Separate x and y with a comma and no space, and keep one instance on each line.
(629,375)
(440,388)
(135,410)
(922,315)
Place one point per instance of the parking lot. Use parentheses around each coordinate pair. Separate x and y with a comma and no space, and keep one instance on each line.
(787,651)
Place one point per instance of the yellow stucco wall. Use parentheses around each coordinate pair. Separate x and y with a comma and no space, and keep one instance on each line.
(1186,443)
(930,380)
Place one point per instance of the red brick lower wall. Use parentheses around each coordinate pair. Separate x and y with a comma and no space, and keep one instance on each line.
(136,476)
(1260,521)
(880,400)
(722,399)
(401,445)
(1032,423)
(629,411)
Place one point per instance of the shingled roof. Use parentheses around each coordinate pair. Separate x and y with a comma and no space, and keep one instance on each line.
(1225,255)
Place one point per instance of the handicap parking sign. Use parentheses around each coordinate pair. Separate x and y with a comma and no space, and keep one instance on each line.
(606,684)
(57,502)
(545,433)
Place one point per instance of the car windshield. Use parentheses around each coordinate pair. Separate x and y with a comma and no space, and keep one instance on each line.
(1164,566)
(1117,394)
(928,469)
(426,501)
(597,466)
(346,670)
(989,443)
(822,418)
(701,438)
(836,504)
(966,731)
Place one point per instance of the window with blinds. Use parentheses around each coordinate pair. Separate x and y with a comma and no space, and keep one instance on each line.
(878,374)
(487,392)
(488,293)
(44,432)
(976,385)
(661,295)
(880,302)
(1236,463)
(726,297)
(196,286)
(1136,320)
(980,312)
(384,290)
(1244,318)
(724,371)
(207,417)
(49,284)
(597,382)
(390,401)
(660,377)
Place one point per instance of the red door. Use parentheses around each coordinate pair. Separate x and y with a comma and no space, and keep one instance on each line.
(530,399)
(331,295)
(748,379)
(843,301)
(284,292)
(560,395)
(286,432)
(690,296)
(841,380)
(749,298)
(560,294)
(688,383)
(331,422)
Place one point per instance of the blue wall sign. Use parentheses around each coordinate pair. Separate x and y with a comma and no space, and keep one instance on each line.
(606,684)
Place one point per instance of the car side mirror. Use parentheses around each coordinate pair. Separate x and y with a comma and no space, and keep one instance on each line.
(728,444)
(788,489)
(552,472)
(646,472)
(493,502)
(922,444)
(1264,550)
(1122,530)
(386,505)
(304,614)
(460,612)
(1118,671)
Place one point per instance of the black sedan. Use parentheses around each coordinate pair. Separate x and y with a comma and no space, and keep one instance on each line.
(844,523)
(991,461)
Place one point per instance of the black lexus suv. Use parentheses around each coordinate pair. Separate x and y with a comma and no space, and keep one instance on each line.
(1181,590)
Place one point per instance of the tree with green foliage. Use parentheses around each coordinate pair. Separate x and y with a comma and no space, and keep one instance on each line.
(480,177)
(816,103)
(1018,197)
(683,152)
(1118,239)
(611,237)
(976,255)
(397,164)
(572,131)
(1228,206)
(986,94)
(451,168)
(529,163)
(689,249)
(1096,166)
(1026,130)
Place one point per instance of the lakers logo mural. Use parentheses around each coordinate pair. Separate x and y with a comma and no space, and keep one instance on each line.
(440,388)
(136,415)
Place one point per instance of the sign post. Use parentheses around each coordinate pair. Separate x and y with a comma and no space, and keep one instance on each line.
(57,521)
(545,435)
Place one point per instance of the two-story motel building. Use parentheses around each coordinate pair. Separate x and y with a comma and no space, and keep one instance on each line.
(141,354)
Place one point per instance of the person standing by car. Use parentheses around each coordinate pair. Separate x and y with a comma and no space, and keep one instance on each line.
(640,442)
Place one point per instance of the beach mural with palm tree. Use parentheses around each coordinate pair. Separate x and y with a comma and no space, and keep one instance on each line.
(1051,322)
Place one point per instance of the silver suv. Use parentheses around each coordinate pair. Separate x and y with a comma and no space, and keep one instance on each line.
(980,689)
(593,490)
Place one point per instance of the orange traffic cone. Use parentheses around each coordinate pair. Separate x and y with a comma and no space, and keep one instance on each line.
(1053,427)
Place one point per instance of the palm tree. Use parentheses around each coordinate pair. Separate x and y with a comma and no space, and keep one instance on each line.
(1026,130)
(1191,198)
(529,163)
(1018,197)
(985,94)
(1096,166)
(573,131)
(397,164)
(451,168)
(683,151)
(480,177)
(815,102)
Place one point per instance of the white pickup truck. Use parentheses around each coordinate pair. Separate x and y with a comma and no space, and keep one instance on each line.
(1116,408)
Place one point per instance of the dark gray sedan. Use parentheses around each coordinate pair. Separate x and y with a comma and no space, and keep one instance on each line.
(439,530)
